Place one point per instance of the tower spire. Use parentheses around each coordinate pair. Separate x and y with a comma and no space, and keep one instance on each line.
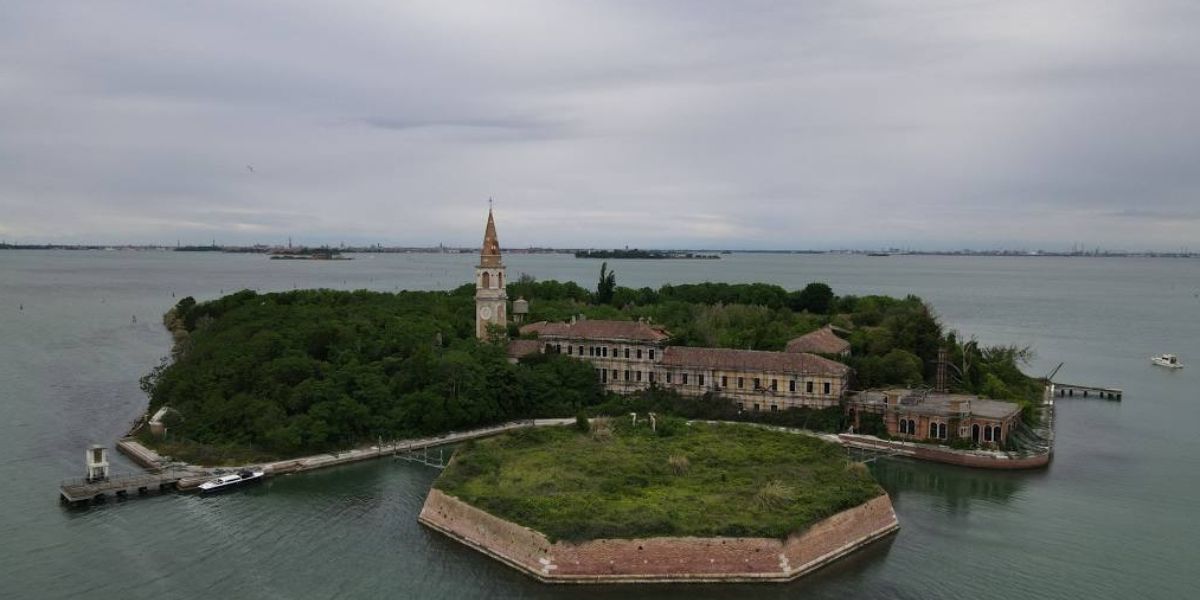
(489,255)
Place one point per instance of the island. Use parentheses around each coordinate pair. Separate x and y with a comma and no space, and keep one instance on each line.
(645,254)
(658,500)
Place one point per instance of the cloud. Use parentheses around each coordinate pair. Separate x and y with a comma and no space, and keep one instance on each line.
(763,125)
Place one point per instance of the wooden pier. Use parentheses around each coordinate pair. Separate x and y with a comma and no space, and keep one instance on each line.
(1067,390)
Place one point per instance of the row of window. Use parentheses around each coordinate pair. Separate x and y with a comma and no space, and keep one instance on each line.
(991,433)
(634,376)
(742,406)
(599,351)
(827,388)
(936,430)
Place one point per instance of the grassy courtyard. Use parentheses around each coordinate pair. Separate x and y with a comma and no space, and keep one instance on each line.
(623,481)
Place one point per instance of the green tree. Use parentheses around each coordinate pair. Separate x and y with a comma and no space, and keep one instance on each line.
(607,285)
(816,298)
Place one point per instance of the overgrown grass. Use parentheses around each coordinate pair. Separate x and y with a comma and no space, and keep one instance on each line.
(700,480)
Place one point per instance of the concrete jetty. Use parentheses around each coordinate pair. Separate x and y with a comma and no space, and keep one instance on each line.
(164,475)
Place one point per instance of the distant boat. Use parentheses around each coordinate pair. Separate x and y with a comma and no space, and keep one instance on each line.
(1169,361)
(878,254)
(228,481)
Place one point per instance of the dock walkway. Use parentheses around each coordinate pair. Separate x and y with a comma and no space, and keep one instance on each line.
(1067,390)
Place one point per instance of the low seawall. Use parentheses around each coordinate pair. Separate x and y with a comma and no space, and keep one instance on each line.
(661,559)
(964,458)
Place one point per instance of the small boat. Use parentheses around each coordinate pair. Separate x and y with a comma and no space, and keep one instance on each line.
(225,482)
(1169,361)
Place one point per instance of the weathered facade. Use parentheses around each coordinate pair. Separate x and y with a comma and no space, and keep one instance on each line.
(933,417)
(633,355)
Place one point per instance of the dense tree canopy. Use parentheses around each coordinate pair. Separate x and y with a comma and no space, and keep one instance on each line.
(322,369)
(326,369)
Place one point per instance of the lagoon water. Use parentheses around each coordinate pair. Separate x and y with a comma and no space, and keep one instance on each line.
(1114,516)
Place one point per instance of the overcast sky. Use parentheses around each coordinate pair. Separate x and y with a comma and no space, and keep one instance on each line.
(918,123)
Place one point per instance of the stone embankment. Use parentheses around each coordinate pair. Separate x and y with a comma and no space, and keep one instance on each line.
(151,460)
(661,559)
(979,459)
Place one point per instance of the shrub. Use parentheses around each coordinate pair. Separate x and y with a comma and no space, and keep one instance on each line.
(679,464)
(774,495)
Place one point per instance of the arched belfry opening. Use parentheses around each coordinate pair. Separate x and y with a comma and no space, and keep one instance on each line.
(491,299)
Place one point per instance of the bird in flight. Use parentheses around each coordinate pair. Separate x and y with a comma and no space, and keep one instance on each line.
(250,168)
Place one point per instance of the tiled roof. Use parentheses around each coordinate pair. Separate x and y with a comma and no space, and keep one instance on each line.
(521,348)
(821,341)
(751,360)
(489,254)
(543,328)
(588,329)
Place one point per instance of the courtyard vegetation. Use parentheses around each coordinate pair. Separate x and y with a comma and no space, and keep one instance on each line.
(619,480)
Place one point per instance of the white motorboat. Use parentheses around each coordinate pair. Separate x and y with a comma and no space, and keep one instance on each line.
(225,482)
(1169,361)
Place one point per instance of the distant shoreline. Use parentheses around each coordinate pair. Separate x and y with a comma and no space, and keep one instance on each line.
(665,254)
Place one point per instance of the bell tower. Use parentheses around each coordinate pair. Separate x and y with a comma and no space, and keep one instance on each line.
(491,299)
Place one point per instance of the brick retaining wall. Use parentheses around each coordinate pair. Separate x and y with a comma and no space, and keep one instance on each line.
(661,559)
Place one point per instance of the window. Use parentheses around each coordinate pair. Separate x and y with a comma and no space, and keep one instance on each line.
(912,427)
(651,376)
(627,353)
(933,430)
(614,352)
(558,348)
(987,433)
(757,383)
(604,352)
(996,434)
(487,279)
(639,353)
(581,350)
(827,384)
(604,375)
(942,430)
(903,425)
(700,380)
(626,374)
(741,406)
(638,376)
(755,408)
(683,379)
(668,377)
(549,349)
(774,385)
(591,351)
(724,381)
(614,374)
(569,350)
(740,383)
(792,386)
(774,408)
(808,387)
(651,354)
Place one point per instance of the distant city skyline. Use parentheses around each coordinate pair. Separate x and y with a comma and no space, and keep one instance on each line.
(932,125)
